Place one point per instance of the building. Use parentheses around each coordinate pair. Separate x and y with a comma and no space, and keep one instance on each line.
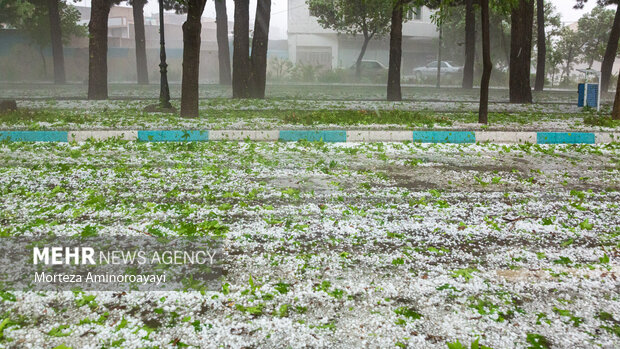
(121,30)
(309,43)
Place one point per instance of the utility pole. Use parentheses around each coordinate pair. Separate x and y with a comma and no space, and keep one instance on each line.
(164,92)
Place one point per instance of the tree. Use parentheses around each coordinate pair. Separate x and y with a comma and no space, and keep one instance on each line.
(615,113)
(552,23)
(369,17)
(13,12)
(260,42)
(522,17)
(98,49)
(487,65)
(45,23)
(396,51)
(612,42)
(241,50)
(191,58)
(223,51)
(541,45)
(470,45)
(56,40)
(140,39)
(569,47)
(594,28)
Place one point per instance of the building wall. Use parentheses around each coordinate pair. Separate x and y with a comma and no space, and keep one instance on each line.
(309,42)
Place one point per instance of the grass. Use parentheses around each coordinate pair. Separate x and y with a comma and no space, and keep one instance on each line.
(134,117)
(277,91)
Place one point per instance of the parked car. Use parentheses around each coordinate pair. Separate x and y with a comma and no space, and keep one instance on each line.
(371,69)
(430,70)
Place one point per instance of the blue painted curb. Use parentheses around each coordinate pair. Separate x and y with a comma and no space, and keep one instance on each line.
(314,136)
(173,136)
(565,138)
(444,137)
(34,136)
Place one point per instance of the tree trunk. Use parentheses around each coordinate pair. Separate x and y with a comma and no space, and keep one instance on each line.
(396,52)
(223,51)
(138,17)
(522,18)
(191,58)
(44,62)
(615,114)
(98,50)
(470,45)
(360,57)
(260,43)
(241,53)
(541,45)
(438,79)
(56,35)
(486,64)
(610,52)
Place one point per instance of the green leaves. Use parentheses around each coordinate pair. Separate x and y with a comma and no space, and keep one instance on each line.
(474,345)
(409,313)
(60,331)
(537,341)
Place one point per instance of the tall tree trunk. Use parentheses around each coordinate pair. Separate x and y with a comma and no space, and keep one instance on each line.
(396,52)
(470,45)
(44,62)
(615,113)
(360,57)
(541,44)
(610,52)
(241,53)
(56,35)
(138,17)
(522,18)
(223,51)
(98,50)
(438,79)
(487,66)
(260,43)
(191,58)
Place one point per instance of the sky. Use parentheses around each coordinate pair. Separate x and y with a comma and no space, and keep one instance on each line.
(279,11)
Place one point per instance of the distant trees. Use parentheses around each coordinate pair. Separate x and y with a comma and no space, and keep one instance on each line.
(223,50)
(367,17)
(56,41)
(260,44)
(470,45)
(45,23)
(541,46)
(612,33)
(594,29)
(140,40)
(487,65)
(241,50)
(191,58)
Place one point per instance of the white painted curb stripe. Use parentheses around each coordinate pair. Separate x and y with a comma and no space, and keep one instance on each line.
(82,136)
(241,135)
(506,137)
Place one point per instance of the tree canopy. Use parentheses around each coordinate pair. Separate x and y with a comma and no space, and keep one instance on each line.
(370,17)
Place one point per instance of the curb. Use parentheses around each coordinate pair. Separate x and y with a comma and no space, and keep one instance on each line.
(332,136)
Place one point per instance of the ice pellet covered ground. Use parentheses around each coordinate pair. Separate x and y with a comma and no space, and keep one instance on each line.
(332,245)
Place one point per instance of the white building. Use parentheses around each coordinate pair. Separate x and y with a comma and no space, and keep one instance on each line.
(309,43)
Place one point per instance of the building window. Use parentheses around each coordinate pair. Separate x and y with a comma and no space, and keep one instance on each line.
(415,14)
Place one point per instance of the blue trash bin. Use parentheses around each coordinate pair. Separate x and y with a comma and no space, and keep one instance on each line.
(592,101)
